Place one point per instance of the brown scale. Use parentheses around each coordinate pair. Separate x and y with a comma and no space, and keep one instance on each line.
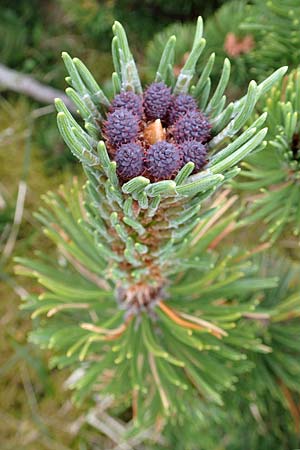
(157,280)
(140,295)
(154,132)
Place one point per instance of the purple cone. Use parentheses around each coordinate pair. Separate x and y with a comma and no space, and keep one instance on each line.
(157,99)
(180,105)
(193,125)
(121,127)
(195,152)
(130,101)
(130,160)
(163,160)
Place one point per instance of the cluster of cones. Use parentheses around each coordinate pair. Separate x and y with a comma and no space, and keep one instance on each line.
(156,134)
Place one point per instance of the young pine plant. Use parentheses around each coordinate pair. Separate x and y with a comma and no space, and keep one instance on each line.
(141,304)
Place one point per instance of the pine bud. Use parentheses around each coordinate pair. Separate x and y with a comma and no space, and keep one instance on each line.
(162,161)
(192,125)
(130,160)
(121,127)
(180,105)
(193,151)
(157,99)
(130,101)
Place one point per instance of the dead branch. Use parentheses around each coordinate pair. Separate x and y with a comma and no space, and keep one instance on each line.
(27,85)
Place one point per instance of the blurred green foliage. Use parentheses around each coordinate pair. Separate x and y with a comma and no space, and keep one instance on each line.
(218,28)
(19,30)
(143,19)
